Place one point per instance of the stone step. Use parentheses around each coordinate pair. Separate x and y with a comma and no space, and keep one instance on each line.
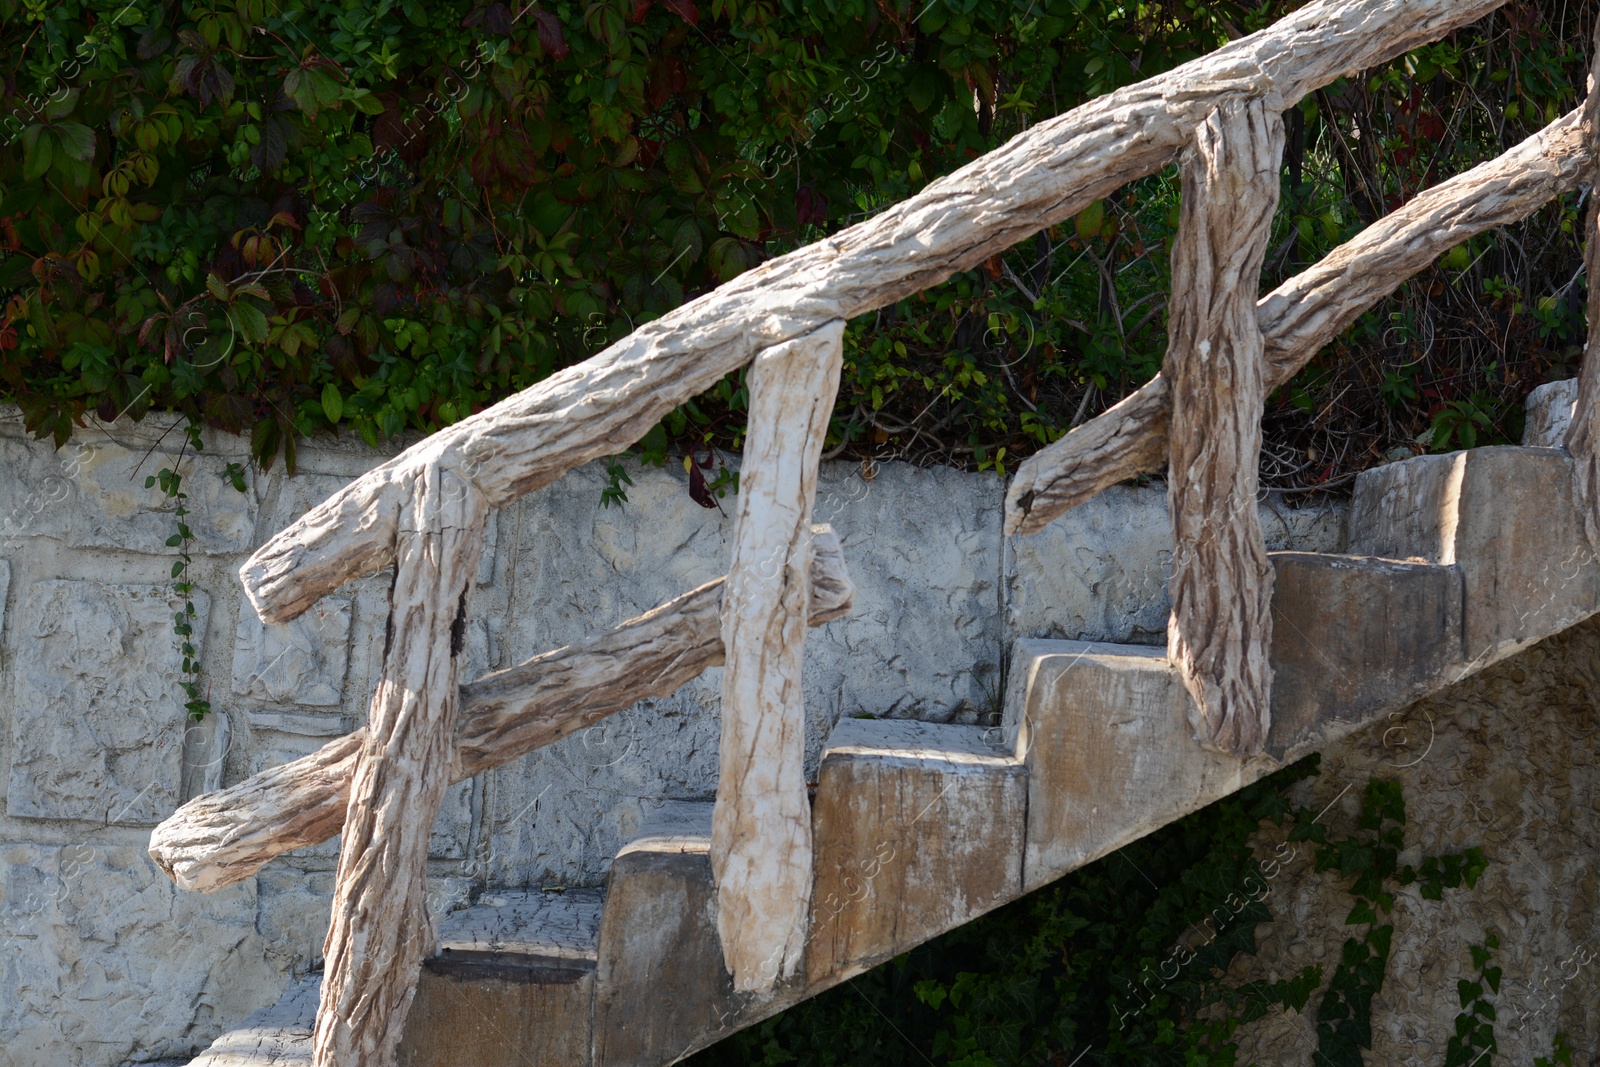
(1106,731)
(1505,515)
(276,1036)
(918,828)
(661,989)
(513,983)
(1355,637)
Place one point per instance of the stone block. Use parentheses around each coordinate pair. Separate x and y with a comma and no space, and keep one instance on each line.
(918,828)
(508,1011)
(1354,637)
(513,984)
(298,662)
(1505,516)
(1104,731)
(278,1035)
(1549,409)
(293,911)
(661,991)
(113,509)
(99,722)
(1099,572)
(103,959)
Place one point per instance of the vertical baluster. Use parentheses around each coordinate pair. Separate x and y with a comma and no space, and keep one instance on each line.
(761,828)
(1583,435)
(1221,582)
(380,930)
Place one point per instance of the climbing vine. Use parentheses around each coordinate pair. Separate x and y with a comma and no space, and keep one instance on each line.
(1369,857)
(1473,1041)
(183,620)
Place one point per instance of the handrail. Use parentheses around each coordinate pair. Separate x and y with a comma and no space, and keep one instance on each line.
(1309,310)
(1040,177)
(1219,114)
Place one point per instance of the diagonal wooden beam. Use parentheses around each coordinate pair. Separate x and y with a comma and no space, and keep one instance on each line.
(1308,311)
(1040,177)
(222,838)
(1221,582)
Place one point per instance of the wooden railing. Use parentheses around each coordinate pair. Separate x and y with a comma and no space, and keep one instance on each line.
(423,513)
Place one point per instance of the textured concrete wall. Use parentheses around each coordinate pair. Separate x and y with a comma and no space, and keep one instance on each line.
(1504,761)
(103,962)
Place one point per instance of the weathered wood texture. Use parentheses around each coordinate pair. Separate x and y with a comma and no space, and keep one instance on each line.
(919,829)
(222,838)
(1583,435)
(1221,584)
(761,831)
(380,930)
(1308,311)
(1042,176)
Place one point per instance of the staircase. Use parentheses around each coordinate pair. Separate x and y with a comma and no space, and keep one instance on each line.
(704,927)
(1456,562)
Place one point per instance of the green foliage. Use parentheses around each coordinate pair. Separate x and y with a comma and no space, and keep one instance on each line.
(1369,858)
(1473,1041)
(1560,1054)
(171,483)
(310,216)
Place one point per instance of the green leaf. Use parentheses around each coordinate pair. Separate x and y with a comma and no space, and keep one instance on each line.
(332,402)
(76,140)
(38,151)
(249,321)
(1091,220)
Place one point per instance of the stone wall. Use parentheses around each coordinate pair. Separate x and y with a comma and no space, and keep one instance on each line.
(104,962)
(1507,761)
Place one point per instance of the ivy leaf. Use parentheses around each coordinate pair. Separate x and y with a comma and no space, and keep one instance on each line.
(76,140)
(332,402)
(551,42)
(154,41)
(38,151)
(249,321)
(685,10)
(61,105)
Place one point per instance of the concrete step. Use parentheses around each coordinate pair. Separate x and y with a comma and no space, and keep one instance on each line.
(513,983)
(1106,732)
(661,989)
(276,1036)
(918,828)
(1505,515)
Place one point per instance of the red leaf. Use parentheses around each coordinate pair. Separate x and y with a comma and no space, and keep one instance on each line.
(551,41)
(698,491)
(640,8)
(685,10)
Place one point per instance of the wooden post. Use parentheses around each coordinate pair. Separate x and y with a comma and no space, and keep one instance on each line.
(380,930)
(1221,582)
(1583,435)
(761,826)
